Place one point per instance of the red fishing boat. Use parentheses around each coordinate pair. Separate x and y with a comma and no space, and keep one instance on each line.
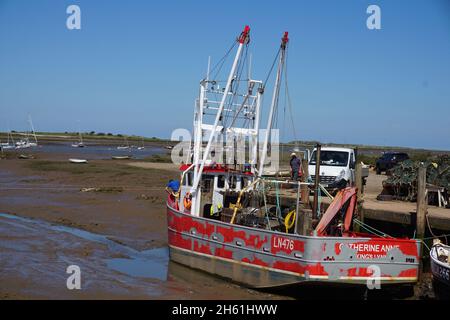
(232,220)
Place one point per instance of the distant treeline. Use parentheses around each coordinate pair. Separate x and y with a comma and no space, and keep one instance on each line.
(86,135)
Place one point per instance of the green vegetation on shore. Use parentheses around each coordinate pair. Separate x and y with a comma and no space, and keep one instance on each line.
(92,135)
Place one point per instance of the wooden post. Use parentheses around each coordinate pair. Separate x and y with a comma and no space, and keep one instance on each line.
(306,226)
(296,207)
(358,181)
(316,182)
(422,202)
(305,188)
(359,196)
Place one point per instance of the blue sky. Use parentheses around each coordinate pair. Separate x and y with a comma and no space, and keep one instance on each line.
(134,67)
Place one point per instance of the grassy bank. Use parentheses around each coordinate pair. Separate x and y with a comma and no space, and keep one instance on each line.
(87,136)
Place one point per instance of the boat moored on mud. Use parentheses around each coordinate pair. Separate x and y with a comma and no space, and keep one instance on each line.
(233,221)
(440,263)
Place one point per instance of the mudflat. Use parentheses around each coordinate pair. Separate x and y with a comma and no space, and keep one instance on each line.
(109,218)
(106,216)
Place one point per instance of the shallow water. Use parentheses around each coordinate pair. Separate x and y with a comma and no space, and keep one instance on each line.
(146,264)
(34,255)
(38,252)
(94,152)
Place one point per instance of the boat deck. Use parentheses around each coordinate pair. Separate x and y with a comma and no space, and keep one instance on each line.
(395,211)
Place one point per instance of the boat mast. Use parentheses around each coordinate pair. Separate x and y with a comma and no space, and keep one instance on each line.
(32,128)
(243,39)
(274,104)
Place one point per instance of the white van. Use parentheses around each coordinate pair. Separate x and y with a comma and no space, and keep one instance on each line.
(336,165)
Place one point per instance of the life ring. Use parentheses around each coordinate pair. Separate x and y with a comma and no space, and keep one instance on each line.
(187,201)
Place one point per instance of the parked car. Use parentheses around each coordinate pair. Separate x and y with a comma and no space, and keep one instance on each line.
(389,160)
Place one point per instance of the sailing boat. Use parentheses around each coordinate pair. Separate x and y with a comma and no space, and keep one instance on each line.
(25,142)
(241,225)
(10,144)
(80,143)
(142,147)
(124,146)
(35,143)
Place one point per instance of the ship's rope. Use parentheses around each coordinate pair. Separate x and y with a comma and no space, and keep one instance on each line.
(289,102)
(265,204)
(423,242)
(271,68)
(441,236)
(289,220)
(372,229)
(279,216)
(429,228)
(221,62)
(319,202)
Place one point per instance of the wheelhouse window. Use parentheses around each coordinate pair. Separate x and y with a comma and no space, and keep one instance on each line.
(207,183)
(244,182)
(188,178)
(221,182)
(232,181)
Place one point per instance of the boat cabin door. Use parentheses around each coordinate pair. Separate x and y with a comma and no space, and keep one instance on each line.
(206,199)
(220,185)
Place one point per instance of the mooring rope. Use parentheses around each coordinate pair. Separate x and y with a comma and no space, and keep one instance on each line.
(372,229)
(434,236)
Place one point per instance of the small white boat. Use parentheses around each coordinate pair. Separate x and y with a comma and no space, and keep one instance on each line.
(440,262)
(78,160)
(121,157)
(126,145)
(141,147)
(25,156)
(10,144)
(25,142)
(80,143)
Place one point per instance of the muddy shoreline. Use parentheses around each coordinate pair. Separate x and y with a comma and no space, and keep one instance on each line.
(124,205)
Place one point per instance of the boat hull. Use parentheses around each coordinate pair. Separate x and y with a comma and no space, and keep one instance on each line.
(262,259)
(439,269)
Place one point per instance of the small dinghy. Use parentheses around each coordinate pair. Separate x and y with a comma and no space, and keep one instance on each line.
(78,160)
(121,157)
(440,262)
(25,156)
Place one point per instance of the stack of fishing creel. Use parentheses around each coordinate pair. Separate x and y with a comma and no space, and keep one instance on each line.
(402,182)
